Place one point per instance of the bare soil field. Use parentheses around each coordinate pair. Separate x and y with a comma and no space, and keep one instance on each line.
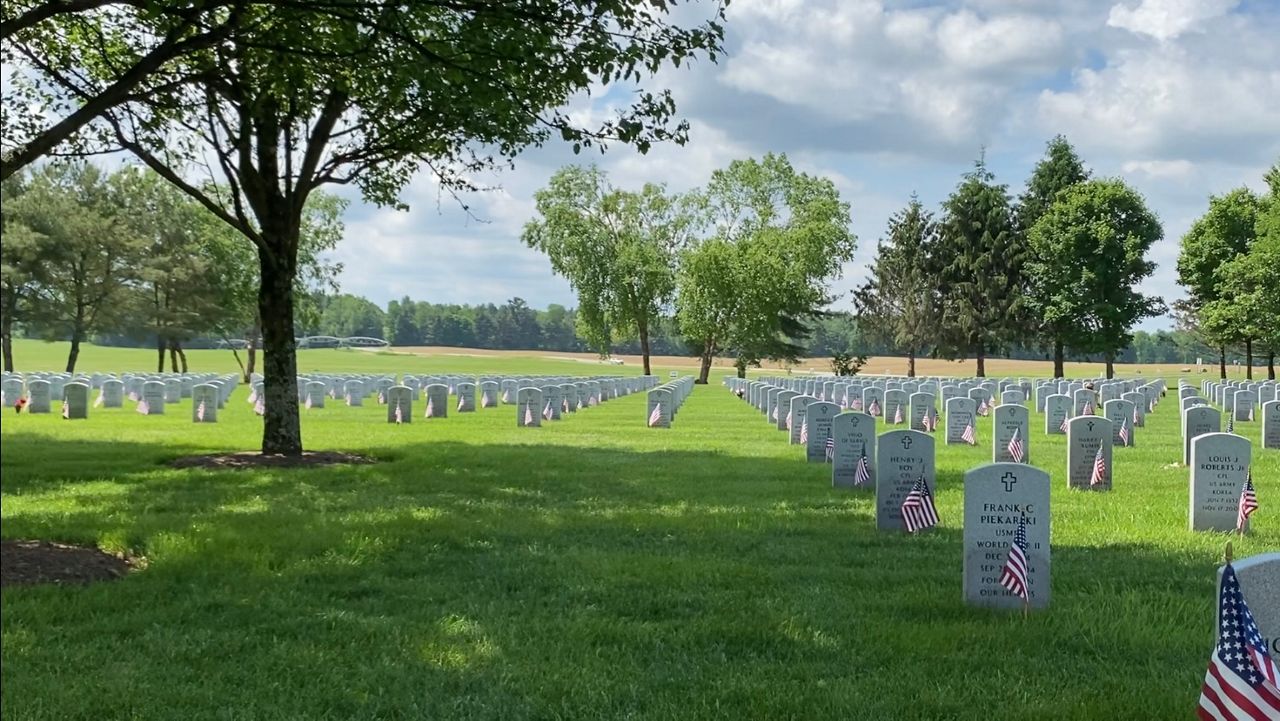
(876,365)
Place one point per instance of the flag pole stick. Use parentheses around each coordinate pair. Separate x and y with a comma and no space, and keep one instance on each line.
(1227,553)
(1026,603)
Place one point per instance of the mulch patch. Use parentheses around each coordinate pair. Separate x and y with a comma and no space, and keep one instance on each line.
(26,563)
(254,459)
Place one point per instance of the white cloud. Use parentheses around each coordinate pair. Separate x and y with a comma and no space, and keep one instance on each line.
(1167,19)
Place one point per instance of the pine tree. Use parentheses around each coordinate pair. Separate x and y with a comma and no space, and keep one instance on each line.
(1059,170)
(979,266)
(901,297)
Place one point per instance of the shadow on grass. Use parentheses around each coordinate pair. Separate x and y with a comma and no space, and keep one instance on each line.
(533,581)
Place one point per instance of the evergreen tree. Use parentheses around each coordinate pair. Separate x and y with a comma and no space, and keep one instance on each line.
(979,266)
(900,299)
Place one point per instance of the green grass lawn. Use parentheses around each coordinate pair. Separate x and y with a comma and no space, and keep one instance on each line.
(592,568)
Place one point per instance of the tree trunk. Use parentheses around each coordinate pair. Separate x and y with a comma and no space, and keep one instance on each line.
(1059,359)
(982,361)
(251,350)
(160,344)
(643,327)
(6,340)
(1248,358)
(77,332)
(281,429)
(1271,366)
(1111,365)
(704,370)
(182,356)
(741,366)
(173,355)
(1222,361)
(911,364)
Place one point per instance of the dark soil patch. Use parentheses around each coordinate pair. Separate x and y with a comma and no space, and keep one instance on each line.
(254,459)
(25,563)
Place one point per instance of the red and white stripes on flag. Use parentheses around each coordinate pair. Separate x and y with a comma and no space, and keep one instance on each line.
(1124,431)
(831,449)
(969,435)
(200,408)
(655,417)
(528,414)
(399,414)
(1014,575)
(461,404)
(1063,426)
(1017,450)
(547,412)
(875,408)
(253,395)
(1099,476)
(897,415)
(918,511)
(1088,409)
(66,410)
(788,420)
(983,408)
(1242,679)
(431,408)
(1248,502)
(862,472)
(804,432)
(143,407)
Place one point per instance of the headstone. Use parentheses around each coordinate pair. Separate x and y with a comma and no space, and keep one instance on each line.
(172,390)
(1271,424)
(1219,464)
(784,407)
(1120,413)
(1007,420)
(1085,435)
(1057,411)
(659,408)
(922,404)
(997,498)
(204,403)
(1197,421)
(529,405)
(153,394)
(901,458)
(353,393)
(1246,405)
(796,413)
(112,392)
(399,404)
(960,413)
(873,401)
(437,401)
(314,394)
(1012,398)
(895,407)
(819,416)
(466,397)
(75,398)
(1083,399)
(1259,578)
(39,394)
(855,435)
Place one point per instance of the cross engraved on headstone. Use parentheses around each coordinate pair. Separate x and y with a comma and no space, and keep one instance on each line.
(906,441)
(1090,424)
(1008,479)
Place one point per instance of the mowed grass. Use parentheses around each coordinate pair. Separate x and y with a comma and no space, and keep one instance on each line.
(592,568)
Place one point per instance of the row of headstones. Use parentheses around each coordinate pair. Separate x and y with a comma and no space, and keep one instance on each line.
(1241,399)
(40,389)
(552,401)
(1199,417)
(665,401)
(1000,496)
(151,395)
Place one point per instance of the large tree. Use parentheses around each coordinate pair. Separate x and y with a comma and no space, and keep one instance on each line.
(22,272)
(980,268)
(1059,169)
(900,300)
(367,93)
(617,248)
(1224,232)
(1089,255)
(753,288)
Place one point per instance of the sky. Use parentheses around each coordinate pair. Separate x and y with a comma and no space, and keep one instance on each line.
(1179,98)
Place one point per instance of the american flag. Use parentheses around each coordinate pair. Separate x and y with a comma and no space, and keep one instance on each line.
(862,472)
(875,408)
(579,402)
(461,404)
(831,449)
(774,415)
(100,400)
(66,410)
(1250,412)
(564,405)
(200,412)
(1124,431)
(528,414)
(1238,685)
(260,407)
(1014,575)
(857,404)
(1088,409)
(253,395)
(968,435)
(1231,423)
(308,402)
(431,408)
(1248,502)
(547,412)
(656,416)
(506,396)
(1016,450)
(1135,415)
(382,397)
(1063,427)
(918,511)
(788,420)
(143,407)
(347,397)
(804,432)
(983,408)
(1099,476)
(897,415)
(399,414)
(133,396)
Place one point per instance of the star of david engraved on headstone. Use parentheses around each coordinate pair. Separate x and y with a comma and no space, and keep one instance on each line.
(1008,479)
